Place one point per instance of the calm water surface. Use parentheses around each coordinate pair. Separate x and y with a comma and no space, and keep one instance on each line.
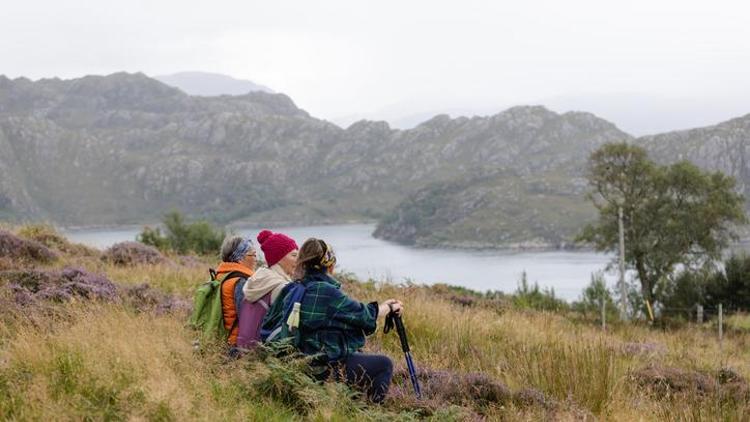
(358,252)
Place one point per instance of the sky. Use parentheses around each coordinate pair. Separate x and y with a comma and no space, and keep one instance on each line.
(346,59)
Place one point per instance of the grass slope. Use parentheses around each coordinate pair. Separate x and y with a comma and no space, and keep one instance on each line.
(109,361)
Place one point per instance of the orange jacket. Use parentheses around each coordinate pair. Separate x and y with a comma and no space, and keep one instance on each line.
(227,295)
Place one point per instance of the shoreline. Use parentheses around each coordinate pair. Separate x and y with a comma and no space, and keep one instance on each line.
(516,247)
(520,247)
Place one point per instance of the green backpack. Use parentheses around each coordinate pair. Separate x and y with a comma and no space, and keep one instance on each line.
(208,315)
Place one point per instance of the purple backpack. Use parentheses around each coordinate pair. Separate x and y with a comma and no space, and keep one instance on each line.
(251,317)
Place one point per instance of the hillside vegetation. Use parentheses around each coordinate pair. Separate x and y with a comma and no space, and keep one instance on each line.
(96,343)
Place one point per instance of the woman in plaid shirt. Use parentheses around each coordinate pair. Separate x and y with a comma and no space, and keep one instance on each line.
(333,326)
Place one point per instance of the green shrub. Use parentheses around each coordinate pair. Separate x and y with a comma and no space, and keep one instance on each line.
(592,296)
(154,237)
(199,237)
(682,293)
(532,297)
(730,286)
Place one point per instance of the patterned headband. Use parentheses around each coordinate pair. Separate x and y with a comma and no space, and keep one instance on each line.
(329,257)
(241,251)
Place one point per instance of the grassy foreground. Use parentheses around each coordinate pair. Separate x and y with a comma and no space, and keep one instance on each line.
(95,360)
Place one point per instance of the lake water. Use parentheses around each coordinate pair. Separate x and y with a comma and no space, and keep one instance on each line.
(358,252)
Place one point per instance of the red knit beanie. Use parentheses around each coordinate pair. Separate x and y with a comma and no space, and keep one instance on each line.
(275,246)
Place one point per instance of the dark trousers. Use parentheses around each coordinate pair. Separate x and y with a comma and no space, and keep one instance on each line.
(369,373)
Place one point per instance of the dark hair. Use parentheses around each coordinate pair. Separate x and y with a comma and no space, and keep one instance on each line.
(315,254)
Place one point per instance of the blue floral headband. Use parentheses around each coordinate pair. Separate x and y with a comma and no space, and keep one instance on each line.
(241,251)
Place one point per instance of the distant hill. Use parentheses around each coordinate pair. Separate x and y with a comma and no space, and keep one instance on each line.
(126,148)
(724,147)
(517,181)
(210,84)
(641,114)
(637,114)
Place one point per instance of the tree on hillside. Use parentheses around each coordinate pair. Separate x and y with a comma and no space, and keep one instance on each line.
(675,214)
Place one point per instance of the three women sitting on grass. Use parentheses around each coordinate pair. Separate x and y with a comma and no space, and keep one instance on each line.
(332,326)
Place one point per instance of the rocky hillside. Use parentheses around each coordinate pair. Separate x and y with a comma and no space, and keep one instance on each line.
(126,148)
(724,147)
(546,207)
(515,178)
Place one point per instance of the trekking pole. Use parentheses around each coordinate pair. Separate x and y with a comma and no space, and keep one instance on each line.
(390,320)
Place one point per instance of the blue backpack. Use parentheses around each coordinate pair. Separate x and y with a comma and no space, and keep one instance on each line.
(282,320)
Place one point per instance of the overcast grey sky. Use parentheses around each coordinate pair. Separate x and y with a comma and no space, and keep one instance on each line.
(345,57)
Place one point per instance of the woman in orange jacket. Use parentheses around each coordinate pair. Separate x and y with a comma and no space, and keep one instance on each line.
(238,261)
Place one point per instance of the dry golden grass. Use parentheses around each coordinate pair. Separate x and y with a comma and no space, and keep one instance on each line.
(568,360)
(103,362)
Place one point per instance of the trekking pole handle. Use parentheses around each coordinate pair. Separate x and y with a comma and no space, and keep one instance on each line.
(401,332)
(394,319)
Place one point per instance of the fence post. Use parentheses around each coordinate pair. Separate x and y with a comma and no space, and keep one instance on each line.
(623,287)
(721,333)
(604,315)
(700,314)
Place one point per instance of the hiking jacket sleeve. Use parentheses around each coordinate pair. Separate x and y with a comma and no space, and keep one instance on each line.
(351,312)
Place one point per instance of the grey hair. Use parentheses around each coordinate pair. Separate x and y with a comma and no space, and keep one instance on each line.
(229,246)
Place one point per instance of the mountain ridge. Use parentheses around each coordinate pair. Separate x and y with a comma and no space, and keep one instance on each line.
(125,148)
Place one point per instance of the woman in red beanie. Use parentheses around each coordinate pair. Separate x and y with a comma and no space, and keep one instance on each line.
(263,287)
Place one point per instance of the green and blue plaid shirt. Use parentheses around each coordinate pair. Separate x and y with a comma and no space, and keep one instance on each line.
(331,323)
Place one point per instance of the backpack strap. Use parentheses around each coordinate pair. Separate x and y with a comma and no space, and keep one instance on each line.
(276,331)
(265,305)
(234,274)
